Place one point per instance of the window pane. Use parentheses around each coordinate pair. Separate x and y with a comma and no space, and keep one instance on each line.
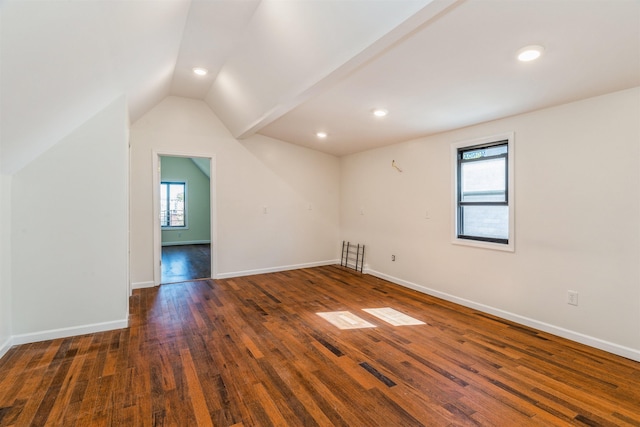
(485,221)
(495,150)
(176,205)
(483,180)
(483,192)
(172,204)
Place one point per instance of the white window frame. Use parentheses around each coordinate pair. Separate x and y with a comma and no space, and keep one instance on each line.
(510,138)
(186,216)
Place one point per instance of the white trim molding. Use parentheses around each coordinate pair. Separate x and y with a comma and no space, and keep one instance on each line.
(157,230)
(6,346)
(53,334)
(629,353)
(275,269)
(142,285)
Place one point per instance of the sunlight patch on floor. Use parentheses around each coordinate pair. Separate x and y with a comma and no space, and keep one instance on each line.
(393,317)
(345,320)
(348,320)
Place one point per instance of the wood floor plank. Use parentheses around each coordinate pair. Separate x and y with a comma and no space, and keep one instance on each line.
(251,351)
(197,399)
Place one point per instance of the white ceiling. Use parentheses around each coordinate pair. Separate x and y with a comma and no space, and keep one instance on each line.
(288,68)
(461,70)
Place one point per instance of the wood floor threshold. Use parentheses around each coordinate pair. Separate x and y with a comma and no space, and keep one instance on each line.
(251,351)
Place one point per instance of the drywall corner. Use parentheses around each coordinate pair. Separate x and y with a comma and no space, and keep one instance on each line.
(5,264)
(69,249)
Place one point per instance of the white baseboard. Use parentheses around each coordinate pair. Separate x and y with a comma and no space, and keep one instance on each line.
(142,285)
(275,269)
(5,346)
(187,242)
(53,334)
(607,346)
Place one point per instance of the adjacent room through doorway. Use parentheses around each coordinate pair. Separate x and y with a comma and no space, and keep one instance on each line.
(185,213)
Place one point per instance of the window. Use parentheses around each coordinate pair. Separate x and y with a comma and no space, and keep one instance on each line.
(483,176)
(172,204)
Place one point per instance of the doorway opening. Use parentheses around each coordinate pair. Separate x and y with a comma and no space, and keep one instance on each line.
(183,222)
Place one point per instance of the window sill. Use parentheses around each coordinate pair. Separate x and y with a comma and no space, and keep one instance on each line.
(509,247)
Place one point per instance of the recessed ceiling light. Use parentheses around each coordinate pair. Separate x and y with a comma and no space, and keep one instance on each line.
(529,53)
(321,135)
(380,112)
(200,71)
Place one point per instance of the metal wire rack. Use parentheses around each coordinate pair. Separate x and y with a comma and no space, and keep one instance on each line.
(352,256)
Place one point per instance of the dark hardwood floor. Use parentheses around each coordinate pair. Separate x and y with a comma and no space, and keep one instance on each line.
(181,263)
(252,351)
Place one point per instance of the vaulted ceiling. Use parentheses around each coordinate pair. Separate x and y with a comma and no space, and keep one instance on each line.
(289,68)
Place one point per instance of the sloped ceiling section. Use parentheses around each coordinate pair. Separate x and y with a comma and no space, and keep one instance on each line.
(288,68)
(64,61)
(211,36)
(203,164)
(295,49)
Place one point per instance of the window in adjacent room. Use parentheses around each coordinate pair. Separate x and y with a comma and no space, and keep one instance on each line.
(172,204)
(483,176)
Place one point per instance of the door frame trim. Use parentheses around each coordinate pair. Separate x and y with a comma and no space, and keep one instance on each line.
(157,236)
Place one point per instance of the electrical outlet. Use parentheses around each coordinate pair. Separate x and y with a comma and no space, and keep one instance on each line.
(393,257)
(572,297)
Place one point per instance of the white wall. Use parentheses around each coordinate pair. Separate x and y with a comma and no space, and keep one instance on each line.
(577,214)
(5,282)
(5,264)
(247,177)
(69,233)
